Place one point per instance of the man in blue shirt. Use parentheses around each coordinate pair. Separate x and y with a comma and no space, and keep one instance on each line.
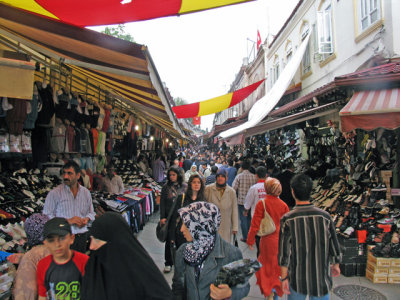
(73,202)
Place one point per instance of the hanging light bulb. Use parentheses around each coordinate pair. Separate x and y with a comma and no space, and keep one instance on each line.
(166,140)
(151,138)
(137,127)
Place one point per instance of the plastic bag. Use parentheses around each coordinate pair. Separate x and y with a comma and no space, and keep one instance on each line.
(237,272)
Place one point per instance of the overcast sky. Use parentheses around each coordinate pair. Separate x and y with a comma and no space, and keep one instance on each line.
(198,55)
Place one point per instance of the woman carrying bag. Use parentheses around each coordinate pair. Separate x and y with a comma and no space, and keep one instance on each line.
(170,192)
(194,193)
(268,275)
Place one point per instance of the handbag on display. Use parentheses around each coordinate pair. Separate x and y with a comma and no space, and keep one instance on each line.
(162,230)
(267,225)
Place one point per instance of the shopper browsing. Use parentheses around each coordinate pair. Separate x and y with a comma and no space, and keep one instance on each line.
(241,185)
(72,201)
(119,268)
(25,285)
(254,195)
(268,275)
(199,260)
(224,197)
(308,246)
(170,192)
(59,275)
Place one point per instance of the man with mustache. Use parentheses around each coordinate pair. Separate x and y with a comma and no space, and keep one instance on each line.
(73,202)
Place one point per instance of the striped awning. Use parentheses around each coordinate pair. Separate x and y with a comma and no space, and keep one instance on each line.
(372,109)
(122,69)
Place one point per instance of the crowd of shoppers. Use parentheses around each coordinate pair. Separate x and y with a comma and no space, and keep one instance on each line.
(204,218)
(244,190)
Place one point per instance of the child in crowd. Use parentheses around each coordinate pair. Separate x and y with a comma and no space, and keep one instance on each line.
(59,275)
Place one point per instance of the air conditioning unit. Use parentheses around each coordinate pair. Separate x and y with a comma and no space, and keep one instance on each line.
(318,57)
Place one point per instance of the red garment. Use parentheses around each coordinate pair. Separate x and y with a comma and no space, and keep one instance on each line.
(268,275)
(70,139)
(95,139)
(106,122)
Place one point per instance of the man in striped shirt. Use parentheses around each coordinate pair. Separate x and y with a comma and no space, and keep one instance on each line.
(309,252)
(73,202)
(241,185)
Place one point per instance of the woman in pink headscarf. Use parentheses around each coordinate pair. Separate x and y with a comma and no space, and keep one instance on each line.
(268,275)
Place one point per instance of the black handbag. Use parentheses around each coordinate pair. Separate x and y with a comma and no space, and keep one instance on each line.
(162,230)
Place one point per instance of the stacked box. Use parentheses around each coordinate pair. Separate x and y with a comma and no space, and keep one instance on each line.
(394,271)
(378,269)
(352,263)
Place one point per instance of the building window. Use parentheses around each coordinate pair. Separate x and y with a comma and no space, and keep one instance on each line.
(306,62)
(370,12)
(275,70)
(289,51)
(325,36)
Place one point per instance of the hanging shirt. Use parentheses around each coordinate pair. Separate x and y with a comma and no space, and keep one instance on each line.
(57,142)
(95,134)
(106,122)
(33,114)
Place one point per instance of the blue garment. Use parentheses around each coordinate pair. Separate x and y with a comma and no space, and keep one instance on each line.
(297,296)
(210,179)
(32,116)
(231,175)
(222,254)
(245,222)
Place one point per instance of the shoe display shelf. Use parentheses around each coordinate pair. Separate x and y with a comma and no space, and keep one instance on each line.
(363,216)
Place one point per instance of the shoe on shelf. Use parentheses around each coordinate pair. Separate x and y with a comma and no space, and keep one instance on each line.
(167,269)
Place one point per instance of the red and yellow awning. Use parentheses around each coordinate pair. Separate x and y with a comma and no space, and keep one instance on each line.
(216,104)
(104,12)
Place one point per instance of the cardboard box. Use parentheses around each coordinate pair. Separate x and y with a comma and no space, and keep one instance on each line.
(394,270)
(379,261)
(376,278)
(393,278)
(377,270)
(395,262)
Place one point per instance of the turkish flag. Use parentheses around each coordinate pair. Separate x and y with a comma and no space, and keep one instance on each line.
(196,120)
(258,40)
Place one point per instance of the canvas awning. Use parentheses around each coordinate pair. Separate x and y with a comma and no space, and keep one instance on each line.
(124,69)
(308,114)
(264,106)
(372,109)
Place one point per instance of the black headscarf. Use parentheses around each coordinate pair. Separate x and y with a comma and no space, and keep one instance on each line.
(121,269)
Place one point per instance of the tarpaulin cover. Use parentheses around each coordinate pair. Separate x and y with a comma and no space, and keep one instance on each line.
(123,68)
(216,104)
(105,12)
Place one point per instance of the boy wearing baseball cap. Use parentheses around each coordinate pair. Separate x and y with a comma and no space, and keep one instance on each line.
(59,275)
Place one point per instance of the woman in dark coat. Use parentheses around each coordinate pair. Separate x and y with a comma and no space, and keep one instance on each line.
(119,268)
(169,193)
(194,193)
